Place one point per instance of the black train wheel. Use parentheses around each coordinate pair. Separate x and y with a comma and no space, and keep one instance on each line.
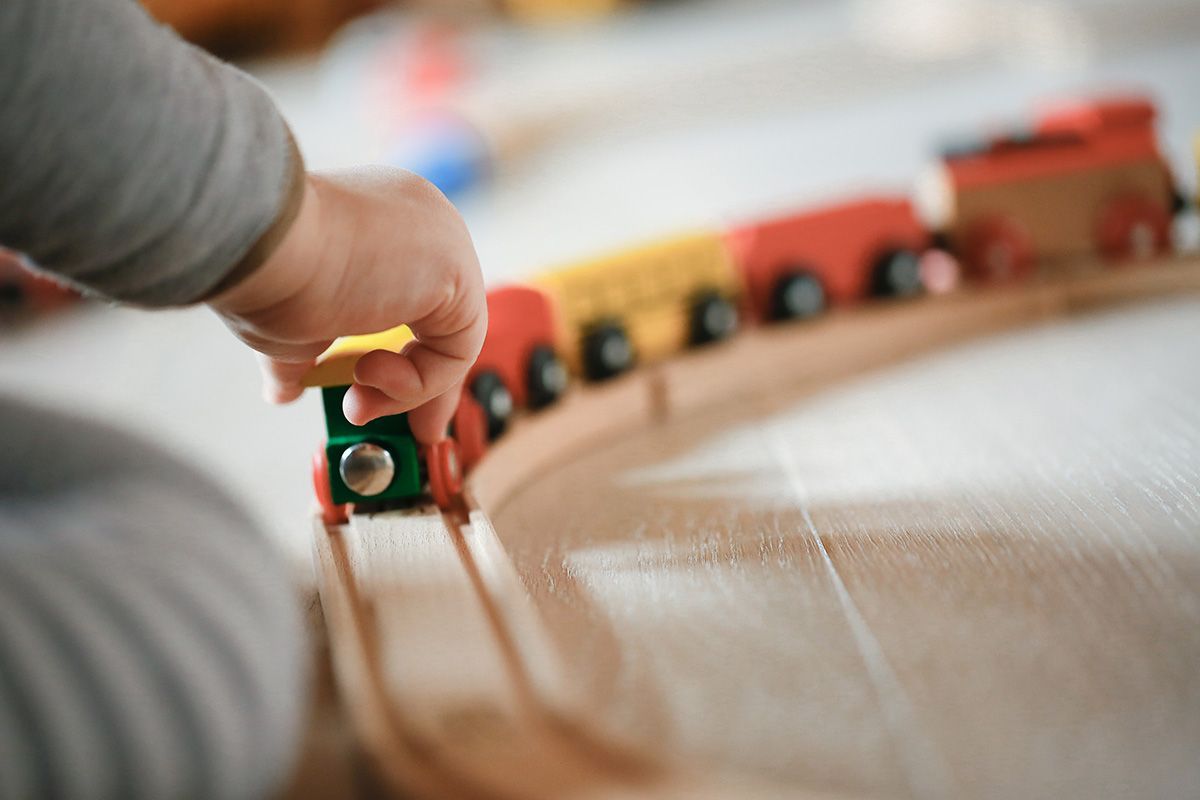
(713,318)
(898,274)
(607,352)
(798,295)
(547,377)
(495,399)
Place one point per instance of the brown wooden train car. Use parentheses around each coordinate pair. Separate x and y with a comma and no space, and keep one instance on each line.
(1087,178)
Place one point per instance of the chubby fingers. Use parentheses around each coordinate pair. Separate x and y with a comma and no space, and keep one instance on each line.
(284,366)
(431,366)
(403,381)
(282,379)
(428,422)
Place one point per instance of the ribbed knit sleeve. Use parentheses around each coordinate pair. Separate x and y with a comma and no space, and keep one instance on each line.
(131,163)
(150,642)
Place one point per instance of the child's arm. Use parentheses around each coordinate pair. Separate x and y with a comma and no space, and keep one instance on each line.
(139,168)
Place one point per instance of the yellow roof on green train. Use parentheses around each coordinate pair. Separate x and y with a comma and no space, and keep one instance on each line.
(335,367)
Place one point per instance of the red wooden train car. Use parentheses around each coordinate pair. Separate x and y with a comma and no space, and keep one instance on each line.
(795,266)
(23,291)
(518,366)
(1086,178)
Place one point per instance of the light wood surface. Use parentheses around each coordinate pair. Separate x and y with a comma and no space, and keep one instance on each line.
(838,571)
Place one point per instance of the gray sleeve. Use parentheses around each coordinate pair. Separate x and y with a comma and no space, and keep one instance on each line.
(150,639)
(133,164)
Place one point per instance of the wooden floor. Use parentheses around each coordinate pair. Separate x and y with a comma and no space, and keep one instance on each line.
(973,573)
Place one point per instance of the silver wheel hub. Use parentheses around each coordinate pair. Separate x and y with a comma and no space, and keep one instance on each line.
(367,469)
(554,377)
(720,319)
(615,352)
(803,297)
(905,273)
(500,404)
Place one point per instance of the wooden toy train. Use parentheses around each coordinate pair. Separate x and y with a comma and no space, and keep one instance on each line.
(24,292)
(1086,179)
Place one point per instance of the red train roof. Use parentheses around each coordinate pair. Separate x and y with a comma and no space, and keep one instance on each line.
(1067,137)
(1097,116)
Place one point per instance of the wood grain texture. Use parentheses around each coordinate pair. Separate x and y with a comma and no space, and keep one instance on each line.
(426,635)
(976,575)
(970,574)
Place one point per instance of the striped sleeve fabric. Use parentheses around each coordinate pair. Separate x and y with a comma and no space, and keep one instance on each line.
(150,642)
(135,165)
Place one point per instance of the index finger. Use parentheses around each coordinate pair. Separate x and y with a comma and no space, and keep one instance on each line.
(445,348)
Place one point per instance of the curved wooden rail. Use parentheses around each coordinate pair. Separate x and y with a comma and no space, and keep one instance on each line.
(451,679)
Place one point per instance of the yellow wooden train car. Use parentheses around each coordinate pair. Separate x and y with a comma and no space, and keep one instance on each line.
(643,304)
(543,11)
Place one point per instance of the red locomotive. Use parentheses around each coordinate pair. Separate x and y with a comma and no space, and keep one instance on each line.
(1086,178)
(23,291)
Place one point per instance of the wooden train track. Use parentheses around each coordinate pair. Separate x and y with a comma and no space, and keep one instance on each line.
(452,682)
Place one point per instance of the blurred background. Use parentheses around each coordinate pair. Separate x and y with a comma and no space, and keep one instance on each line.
(566,128)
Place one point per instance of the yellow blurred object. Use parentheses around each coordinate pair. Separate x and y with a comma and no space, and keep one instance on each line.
(649,291)
(335,367)
(560,10)
(529,11)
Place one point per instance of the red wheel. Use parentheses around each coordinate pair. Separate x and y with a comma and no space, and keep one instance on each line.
(445,472)
(470,430)
(1134,226)
(331,514)
(998,250)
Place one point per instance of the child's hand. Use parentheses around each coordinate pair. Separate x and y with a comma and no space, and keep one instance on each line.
(370,249)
